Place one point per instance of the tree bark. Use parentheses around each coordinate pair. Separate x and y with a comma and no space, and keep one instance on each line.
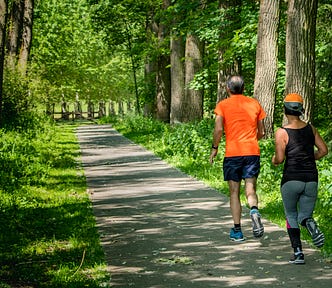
(163,77)
(3,22)
(149,79)
(192,106)
(163,80)
(300,51)
(15,31)
(267,60)
(26,36)
(177,78)
(150,70)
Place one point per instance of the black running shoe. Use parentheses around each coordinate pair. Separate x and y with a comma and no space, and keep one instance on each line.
(297,258)
(316,235)
(257,226)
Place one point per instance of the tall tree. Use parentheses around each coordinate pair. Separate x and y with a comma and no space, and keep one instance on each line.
(192,106)
(267,59)
(163,77)
(150,67)
(300,51)
(15,31)
(177,78)
(26,36)
(3,22)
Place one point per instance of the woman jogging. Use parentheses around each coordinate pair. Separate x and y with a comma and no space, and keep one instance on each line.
(296,143)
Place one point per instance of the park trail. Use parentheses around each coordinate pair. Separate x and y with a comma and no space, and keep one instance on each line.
(160,228)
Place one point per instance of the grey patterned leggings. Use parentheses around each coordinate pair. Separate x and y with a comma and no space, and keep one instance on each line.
(299,199)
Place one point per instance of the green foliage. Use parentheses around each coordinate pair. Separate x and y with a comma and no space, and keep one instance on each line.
(18,103)
(323,102)
(93,47)
(68,56)
(187,146)
(48,236)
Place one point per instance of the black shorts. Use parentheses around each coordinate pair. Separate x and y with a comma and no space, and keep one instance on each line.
(241,167)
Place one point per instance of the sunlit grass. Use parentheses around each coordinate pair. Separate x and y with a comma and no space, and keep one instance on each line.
(48,234)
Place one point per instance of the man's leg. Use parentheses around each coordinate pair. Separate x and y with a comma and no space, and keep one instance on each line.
(252,199)
(235,204)
(250,188)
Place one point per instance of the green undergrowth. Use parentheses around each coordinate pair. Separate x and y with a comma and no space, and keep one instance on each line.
(48,235)
(188,146)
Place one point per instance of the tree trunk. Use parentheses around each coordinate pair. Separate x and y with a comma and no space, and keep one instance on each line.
(192,106)
(163,80)
(26,36)
(15,31)
(163,77)
(177,78)
(267,60)
(150,87)
(231,10)
(3,22)
(300,51)
(150,70)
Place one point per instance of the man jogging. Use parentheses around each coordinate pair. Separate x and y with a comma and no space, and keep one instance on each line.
(241,118)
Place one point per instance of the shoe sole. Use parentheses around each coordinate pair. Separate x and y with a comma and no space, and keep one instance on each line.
(297,262)
(316,235)
(318,240)
(237,240)
(257,226)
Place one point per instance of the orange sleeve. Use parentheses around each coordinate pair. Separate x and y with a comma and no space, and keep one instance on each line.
(218,110)
(262,113)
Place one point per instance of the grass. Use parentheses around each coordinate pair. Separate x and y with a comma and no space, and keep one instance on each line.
(48,235)
(188,146)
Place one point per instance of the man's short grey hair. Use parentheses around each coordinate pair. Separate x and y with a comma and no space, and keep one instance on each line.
(235,84)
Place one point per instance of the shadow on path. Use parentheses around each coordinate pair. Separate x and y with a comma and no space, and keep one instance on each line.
(162,228)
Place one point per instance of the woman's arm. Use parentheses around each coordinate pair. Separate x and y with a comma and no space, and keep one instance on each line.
(322,149)
(281,140)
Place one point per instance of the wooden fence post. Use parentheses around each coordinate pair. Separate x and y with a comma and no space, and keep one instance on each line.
(64,111)
(101,111)
(129,108)
(90,110)
(111,110)
(78,110)
(121,112)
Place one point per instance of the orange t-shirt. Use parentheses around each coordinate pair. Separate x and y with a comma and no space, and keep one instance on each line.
(240,116)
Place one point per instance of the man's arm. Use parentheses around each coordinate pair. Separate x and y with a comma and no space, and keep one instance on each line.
(260,129)
(217,134)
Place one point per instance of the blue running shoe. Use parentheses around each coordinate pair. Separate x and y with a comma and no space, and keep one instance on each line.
(236,236)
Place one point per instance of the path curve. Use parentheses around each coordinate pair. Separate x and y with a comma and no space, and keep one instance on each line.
(161,228)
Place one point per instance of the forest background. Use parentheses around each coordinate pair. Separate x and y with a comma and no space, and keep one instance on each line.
(169,58)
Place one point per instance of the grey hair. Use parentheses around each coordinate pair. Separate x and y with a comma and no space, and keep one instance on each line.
(235,84)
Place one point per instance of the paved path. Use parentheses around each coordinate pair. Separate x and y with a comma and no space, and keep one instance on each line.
(161,228)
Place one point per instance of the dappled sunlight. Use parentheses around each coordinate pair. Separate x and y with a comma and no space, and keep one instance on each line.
(161,228)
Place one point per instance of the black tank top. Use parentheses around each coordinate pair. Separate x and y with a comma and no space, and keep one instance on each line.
(300,161)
